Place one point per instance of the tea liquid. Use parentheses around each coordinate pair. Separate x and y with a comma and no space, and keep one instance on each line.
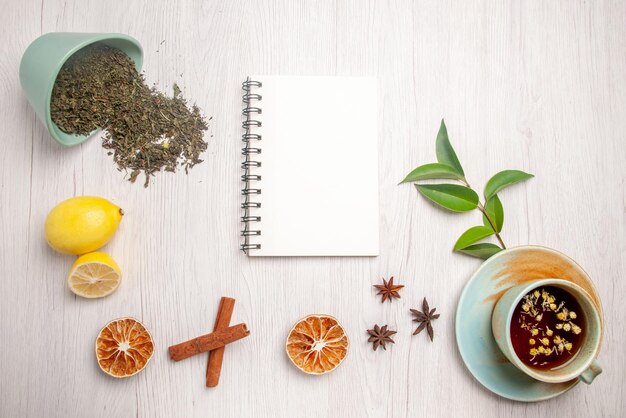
(547,328)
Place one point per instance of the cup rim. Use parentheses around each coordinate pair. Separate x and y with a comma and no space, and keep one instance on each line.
(545,376)
(96,37)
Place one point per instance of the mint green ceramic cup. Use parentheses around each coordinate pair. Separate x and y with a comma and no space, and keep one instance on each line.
(584,365)
(43,60)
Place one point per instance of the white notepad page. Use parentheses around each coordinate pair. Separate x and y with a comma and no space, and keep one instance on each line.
(319,173)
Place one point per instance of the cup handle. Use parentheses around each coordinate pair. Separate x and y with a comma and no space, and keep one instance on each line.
(588,375)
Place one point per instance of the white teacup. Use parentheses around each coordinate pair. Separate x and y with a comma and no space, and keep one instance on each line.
(583,365)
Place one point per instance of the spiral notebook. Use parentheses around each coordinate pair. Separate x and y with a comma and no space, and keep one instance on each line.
(310,169)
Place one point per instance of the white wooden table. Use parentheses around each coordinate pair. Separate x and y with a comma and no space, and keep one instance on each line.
(539,86)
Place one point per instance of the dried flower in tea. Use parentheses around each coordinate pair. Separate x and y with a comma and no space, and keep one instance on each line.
(546,330)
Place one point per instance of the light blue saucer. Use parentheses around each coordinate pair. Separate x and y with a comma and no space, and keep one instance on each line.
(473,318)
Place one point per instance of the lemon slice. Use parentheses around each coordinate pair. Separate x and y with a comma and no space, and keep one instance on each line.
(94,275)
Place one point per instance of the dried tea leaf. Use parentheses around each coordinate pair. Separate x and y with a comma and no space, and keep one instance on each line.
(146,131)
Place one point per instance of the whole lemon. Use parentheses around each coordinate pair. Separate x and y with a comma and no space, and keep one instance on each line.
(82,224)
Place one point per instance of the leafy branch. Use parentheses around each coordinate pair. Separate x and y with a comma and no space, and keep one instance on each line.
(462,198)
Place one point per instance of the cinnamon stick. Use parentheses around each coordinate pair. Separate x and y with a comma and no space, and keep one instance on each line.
(208,342)
(214,362)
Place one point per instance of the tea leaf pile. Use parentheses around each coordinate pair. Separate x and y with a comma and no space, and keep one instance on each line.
(146,131)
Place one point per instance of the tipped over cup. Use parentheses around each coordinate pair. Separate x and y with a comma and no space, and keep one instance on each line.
(43,59)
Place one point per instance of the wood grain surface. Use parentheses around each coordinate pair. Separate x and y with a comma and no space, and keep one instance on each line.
(538,86)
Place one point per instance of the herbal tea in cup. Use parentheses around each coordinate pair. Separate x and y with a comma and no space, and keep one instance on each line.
(549,329)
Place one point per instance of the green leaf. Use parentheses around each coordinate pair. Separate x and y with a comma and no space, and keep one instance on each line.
(472,235)
(431,171)
(483,250)
(496,212)
(450,196)
(445,152)
(504,179)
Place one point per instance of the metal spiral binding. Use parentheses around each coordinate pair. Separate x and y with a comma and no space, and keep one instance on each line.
(250,111)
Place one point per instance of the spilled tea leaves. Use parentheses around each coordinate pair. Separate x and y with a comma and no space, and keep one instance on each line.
(146,131)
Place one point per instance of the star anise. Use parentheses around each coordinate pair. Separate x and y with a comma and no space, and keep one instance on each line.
(380,336)
(388,290)
(424,318)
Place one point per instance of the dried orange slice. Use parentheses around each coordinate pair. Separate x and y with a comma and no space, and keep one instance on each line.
(124,347)
(317,344)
